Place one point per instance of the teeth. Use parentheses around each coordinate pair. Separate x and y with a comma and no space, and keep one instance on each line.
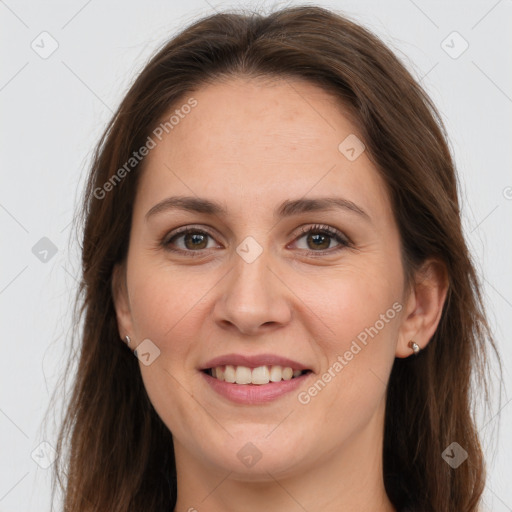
(276,373)
(259,375)
(287,373)
(229,373)
(243,375)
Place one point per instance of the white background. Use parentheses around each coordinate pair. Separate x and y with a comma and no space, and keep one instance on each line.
(53,111)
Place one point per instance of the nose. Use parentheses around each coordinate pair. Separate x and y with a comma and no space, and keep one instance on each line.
(253,299)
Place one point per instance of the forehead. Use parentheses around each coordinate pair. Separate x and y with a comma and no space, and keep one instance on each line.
(246,116)
(270,139)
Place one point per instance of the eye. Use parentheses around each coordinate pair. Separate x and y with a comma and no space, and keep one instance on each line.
(315,240)
(320,238)
(188,239)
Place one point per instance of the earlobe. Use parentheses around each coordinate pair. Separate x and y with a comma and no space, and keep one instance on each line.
(121,302)
(424,307)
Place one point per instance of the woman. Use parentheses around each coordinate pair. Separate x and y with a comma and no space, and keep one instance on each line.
(272,227)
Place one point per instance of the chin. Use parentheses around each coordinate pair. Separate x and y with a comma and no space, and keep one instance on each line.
(276,465)
(256,457)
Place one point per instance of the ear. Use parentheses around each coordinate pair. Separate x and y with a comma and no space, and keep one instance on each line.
(121,300)
(424,306)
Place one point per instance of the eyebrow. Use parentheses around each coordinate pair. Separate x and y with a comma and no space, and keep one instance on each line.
(286,209)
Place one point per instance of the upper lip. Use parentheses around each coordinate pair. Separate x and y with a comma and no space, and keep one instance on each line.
(253,361)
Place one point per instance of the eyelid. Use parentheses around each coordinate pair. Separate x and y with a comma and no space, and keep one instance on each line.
(336,233)
(183,230)
(203,228)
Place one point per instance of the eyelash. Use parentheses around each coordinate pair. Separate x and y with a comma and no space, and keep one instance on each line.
(337,235)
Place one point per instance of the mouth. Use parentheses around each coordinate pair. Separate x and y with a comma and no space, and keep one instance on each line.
(258,376)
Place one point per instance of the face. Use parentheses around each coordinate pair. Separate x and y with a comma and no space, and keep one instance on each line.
(293,262)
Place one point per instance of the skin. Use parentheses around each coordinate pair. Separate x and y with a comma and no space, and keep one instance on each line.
(250,145)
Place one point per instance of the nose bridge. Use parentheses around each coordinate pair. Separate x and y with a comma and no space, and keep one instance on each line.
(252,296)
(251,272)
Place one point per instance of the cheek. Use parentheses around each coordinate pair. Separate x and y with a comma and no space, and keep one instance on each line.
(356,301)
(362,312)
(167,308)
(163,301)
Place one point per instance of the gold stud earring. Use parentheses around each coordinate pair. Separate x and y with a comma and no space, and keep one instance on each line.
(415,347)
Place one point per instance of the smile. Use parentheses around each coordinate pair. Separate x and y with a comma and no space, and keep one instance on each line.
(260,375)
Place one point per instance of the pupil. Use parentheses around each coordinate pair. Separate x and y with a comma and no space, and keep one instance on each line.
(321,238)
(195,239)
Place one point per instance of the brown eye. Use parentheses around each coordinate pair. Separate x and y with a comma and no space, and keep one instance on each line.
(315,239)
(188,240)
(195,240)
(318,241)
(321,238)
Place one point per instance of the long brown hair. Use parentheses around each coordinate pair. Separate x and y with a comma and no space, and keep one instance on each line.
(115,453)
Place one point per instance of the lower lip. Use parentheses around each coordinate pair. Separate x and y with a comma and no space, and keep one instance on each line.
(253,394)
